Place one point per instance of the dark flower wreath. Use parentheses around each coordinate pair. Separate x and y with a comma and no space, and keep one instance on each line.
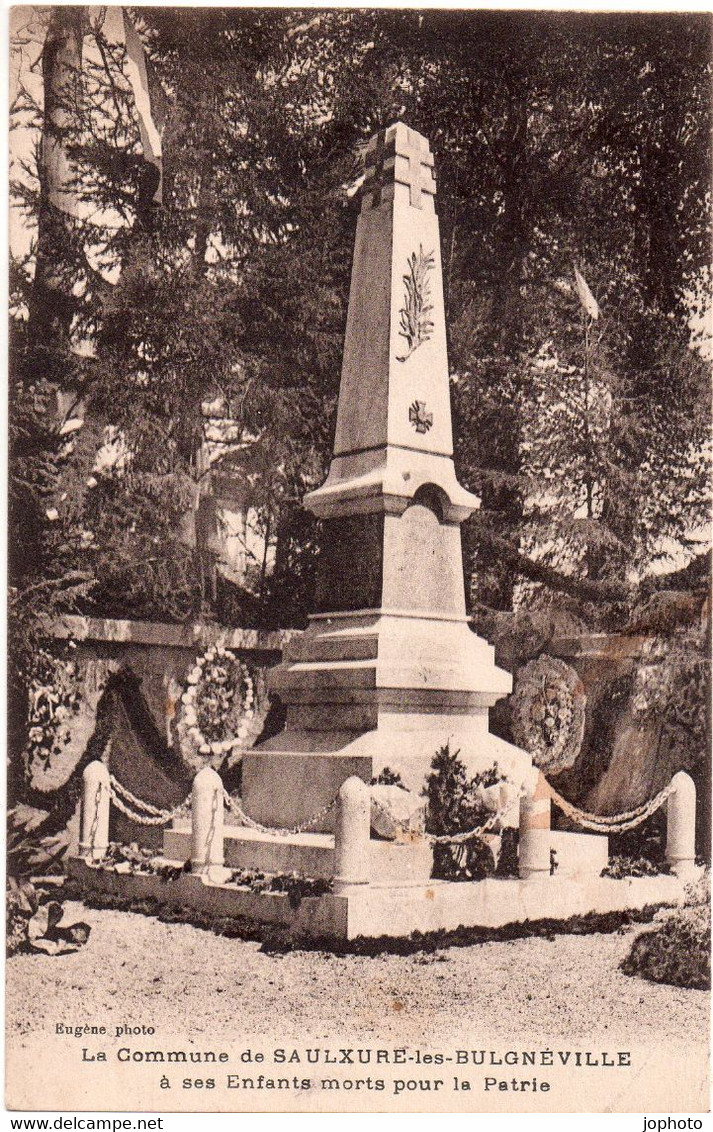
(548,712)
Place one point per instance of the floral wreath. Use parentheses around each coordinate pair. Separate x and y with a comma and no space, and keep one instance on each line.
(218,708)
(548,713)
(54,701)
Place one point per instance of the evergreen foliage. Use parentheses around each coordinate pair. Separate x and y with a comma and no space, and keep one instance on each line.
(679,950)
(455,805)
(559,140)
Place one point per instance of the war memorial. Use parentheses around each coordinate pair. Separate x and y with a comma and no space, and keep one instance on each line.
(388,672)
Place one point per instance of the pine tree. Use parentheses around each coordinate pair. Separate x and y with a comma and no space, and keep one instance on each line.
(234,289)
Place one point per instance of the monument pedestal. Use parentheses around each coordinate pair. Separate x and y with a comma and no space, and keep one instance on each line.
(403,686)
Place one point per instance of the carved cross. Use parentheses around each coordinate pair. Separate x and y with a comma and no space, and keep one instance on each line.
(419,418)
(399,155)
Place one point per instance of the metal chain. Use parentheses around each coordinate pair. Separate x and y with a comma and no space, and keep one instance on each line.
(95,819)
(148,806)
(624,816)
(279,831)
(158,817)
(454,838)
(140,819)
(617,823)
(471,834)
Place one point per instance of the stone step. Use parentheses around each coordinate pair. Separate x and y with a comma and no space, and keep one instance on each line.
(334,674)
(579,854)
(392,909)
(311,854)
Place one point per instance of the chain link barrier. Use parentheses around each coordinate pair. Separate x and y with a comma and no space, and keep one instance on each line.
(129,797)
(123,799)
(145,813)
(280,831)
(433,839)
(617,823)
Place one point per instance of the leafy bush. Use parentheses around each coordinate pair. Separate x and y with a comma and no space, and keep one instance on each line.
(387,777)
(621,866)
(20,904)
(32,916)
(456,805)
(34,921)
(679,951)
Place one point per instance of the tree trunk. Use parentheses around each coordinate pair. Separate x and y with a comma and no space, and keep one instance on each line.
(53,303)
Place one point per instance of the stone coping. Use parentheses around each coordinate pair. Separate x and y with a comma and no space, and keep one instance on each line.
(611,646)
(199,633)
(604,646)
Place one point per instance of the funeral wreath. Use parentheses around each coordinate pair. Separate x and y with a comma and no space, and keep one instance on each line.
(218,708)
(548,713)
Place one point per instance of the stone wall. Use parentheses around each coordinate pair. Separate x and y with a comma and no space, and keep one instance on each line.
(626,757)
(132,676)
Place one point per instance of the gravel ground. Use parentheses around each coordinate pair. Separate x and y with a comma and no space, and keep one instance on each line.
(183,980)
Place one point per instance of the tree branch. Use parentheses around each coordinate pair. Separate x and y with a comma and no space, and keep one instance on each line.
(584,588)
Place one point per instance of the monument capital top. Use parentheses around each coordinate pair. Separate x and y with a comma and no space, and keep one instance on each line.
(398,155)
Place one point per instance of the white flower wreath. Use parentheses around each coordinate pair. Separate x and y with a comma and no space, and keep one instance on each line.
(218,705)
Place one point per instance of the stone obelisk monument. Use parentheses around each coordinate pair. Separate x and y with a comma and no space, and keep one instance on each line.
(388,670)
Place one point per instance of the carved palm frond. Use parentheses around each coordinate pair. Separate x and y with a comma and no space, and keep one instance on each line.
(414,316)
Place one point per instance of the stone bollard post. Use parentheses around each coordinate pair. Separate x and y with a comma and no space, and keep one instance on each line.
(535,841)
(351,840)
(96,795)
(207,850)
(681,824)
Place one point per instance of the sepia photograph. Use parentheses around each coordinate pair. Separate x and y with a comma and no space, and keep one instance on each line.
(359,561)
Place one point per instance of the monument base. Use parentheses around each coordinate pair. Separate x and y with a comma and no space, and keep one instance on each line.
(373,690)
(375,911)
